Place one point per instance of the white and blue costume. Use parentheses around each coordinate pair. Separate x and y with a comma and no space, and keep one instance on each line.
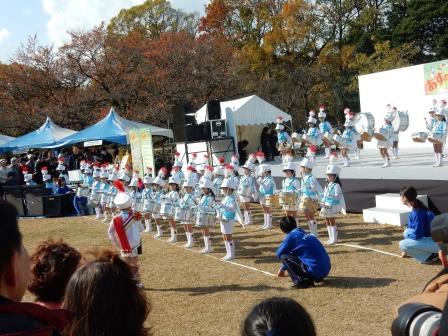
(228,209)
(332,200)
(267,188)
(187,202)
(439,129)
(291,185)
(311,192)
(136,197)
(206,205)
(325,127)
(283,137)
(246,185)
(350,136)
(80,202)
(389,134)
(217,182)
(158,196)
(104,189)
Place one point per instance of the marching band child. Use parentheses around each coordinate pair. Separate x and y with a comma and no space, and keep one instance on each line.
(173,197)
(247,189)
(395,136)
(290,184)
(206,205)
(95,191)
(110,206)
(46,178)
(28,178)
(228,210)
(177,168)
(284,141)
(349,115)
(431,120)
(384,145)
(313,131)
(61,169)
(350,142)
(125,229)
(267,188)
(332,202)
(439,131)
(324,127)
(218,173)
(157,186)
(187,202)
(147,196)
(134,191)
(311,192)
(104,189)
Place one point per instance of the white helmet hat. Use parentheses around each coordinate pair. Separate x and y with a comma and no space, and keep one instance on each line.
(349,123)
(229,183)
(148,179)
(249,165)
(333,169)
(307,163)
(218,170)
(44,170)
(290,166)
(389,117)
(190,182)
(206,183)
(440,112)
(123,176)
(265,168)
(104,174)
(122,200)
(431,110)
(160,181)
(279,127)
(134,180)
(113,176)
(312,113)
(60,167)
(96,173)
(178,164)
(46,177)
(174,180)
(28,177)
(312,120)
(322,115)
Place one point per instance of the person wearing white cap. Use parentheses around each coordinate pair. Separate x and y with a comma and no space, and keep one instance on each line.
(218,173)
(135,192)
(284,141)
(157,187)
(395,135)
(46,178)
(325,127)
(177,169)
(95,195)
(28,178)
(247,190)
(228,209)
(313,132)
(206,206)
(147,196)
(80,202)
(311,191)
(193,174)
(207,174)
(104,189)
(110,206)
(290,184)
(187,202)
(388,132)
(349,137)
(172,197)
(125,230)
(61,169)
(439,131)
(332,202)
(267,188)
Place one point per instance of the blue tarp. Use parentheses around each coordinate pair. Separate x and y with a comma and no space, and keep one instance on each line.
(112,128)
(5,138)
(48,134)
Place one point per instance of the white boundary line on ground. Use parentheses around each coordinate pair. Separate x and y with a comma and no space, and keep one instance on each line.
(369,249)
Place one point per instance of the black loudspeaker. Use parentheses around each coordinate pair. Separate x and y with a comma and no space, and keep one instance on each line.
(15,198)
(218,129)
(179,114)
(51,206)
(213,109)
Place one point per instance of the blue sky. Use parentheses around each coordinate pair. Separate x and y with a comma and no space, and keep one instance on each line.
(50,19)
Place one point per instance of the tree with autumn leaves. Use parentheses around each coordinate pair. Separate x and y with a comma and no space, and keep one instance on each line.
(293,53)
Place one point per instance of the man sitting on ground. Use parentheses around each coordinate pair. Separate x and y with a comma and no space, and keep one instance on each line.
(302,255)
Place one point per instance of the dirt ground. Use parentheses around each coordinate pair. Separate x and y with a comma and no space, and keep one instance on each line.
(193,294)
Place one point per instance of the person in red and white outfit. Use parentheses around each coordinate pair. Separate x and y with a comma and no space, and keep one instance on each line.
(125,230)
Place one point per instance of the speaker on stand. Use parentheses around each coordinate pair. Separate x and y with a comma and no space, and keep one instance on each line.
(213,109)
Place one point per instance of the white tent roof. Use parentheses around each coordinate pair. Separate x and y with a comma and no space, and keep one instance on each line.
(251,110)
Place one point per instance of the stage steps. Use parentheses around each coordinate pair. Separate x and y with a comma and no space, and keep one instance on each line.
(390,210)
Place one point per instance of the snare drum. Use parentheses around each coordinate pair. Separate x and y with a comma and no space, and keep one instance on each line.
(183,215)
(167,210)
(272,200)
(205,219)
(149,205)
(327,139)
(381,135)
(436,138)
(419,137)
(312,140)
(245,191)
(82,192)
(105,198)
(288,198)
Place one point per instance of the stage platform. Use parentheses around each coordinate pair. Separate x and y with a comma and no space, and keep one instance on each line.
(365,178)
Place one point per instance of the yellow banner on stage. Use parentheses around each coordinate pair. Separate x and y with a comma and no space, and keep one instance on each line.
(142,151)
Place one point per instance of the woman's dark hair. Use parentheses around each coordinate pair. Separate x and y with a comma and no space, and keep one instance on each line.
(177,186)
(10,237)
(278,316)
(104,299)
(336,180)
(410,193)
(287,224)
(52,265)
(293,172)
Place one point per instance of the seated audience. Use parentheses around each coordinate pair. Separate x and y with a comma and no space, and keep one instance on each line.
(62,187)
(52,265)
(278,316)
(104,299)
(302,255)
(16,317)
(417,242)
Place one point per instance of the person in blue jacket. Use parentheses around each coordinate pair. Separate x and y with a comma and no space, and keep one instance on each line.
(417,242)
(302,255)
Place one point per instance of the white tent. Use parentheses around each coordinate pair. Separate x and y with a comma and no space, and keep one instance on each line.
(245,119)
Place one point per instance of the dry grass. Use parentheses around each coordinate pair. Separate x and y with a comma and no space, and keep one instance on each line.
(197,295)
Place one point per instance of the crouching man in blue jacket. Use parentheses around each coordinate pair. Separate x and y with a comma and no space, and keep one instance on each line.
(302,255)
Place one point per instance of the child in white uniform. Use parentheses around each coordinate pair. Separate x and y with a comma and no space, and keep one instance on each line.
(332,202)
(173,197)
(246,190)
(95,195)
(384,145)
(228,210)
(218,172)
(350,141)
(290,184)
(157,187)
(325,127)
(267,188)
(188,202)
(206,205)
(311,192)
(147,197)
(439,130)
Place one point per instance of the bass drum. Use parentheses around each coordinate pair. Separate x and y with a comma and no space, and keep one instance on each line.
(400,122)
(364,121)
(419,137)
(381,135)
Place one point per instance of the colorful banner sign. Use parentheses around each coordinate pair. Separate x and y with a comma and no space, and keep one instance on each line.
(142,152)
(147,149)
(436,77)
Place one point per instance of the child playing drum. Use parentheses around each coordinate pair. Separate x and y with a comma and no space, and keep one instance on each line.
(313,135)
(284,141)
(172,197)
(205,208)
(187,203)
(290,188)
(109,207)
(147,197)
(388,132)
(246,190)
(438,134)
(332,202)
(218,173)
(349,141)
(95,195)
(325,127)
(157,186)
(228,210)
(311,192)
(266,190)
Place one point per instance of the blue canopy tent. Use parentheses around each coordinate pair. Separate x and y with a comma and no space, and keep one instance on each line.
(112,128)
(46,135)
(5,138)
